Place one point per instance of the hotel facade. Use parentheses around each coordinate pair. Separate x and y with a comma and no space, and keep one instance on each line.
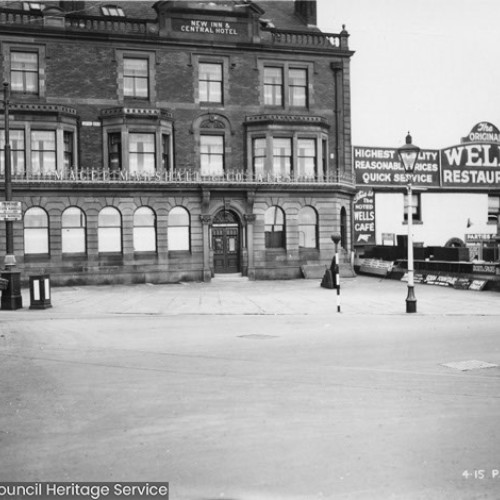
(175,140)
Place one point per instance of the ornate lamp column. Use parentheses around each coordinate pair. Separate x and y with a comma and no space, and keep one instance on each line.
(408,155)
(11,296)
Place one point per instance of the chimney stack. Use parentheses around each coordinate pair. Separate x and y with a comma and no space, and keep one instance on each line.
(306,10)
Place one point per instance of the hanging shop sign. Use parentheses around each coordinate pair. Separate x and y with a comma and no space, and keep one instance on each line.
(364,217)
(381,167)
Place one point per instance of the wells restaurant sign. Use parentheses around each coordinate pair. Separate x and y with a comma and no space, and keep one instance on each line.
(474,163)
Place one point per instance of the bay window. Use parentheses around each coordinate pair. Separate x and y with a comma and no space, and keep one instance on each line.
(142,153)
(43,152)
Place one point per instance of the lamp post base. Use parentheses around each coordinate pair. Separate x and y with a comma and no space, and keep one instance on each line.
(11,296)
(411,301)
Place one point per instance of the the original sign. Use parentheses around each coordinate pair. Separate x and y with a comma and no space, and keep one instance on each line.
(10,210)
(364,217)
(483,132)
(476,162)
(382,167)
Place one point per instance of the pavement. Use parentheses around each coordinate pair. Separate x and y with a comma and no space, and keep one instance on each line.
(243,390)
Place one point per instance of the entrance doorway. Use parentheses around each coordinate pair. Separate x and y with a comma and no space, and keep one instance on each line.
(226,243)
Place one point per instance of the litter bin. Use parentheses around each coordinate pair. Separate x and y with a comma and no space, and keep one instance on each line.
(40,292)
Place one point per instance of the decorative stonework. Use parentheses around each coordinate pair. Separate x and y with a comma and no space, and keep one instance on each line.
(146,112)
(42,108)
(288,119)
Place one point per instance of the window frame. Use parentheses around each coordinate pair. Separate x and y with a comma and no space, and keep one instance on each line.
(44,153)
(102,248)
(315,225)
(493,209)
(25,73)
(140,230)
(295,134)
(287,85)
(210,155)
(270,238)
(15,152)
(142,155)
(186,227)
(224,61)
(39,234)
(121,55)
(208,82)
(129,73)
(106,10)
(7,48)
(80,231)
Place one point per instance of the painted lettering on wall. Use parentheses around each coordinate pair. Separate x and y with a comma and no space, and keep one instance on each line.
(208,27)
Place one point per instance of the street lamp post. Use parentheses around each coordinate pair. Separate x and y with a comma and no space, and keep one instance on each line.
(336,267)
(408,155)
(11,295)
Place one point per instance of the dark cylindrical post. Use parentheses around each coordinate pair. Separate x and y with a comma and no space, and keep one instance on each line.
(11,294)
(8,177)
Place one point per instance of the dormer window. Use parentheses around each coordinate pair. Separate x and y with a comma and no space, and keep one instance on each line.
(113,11)
(32,6)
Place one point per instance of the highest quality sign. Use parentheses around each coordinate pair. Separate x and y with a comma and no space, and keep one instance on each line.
(10,210)
(381,167)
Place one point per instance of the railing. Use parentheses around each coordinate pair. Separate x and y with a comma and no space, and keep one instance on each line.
(99,176)
(76,22)
(99,23)
(12,16)
(308,38)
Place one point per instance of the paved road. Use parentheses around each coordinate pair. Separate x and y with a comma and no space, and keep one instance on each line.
(255,390)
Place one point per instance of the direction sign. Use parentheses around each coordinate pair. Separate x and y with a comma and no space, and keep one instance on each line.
(10,210)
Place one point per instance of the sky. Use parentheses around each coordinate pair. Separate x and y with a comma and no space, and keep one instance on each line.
(431,67)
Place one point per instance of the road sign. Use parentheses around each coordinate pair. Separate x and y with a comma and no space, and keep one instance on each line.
(10,210)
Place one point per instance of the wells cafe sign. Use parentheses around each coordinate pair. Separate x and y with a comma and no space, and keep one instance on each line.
(10,210)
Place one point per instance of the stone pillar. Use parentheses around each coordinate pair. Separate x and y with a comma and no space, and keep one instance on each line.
(250,220)
(207,273)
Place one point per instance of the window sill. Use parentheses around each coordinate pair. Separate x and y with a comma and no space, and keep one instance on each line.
(36,257)
(144,255)
(74,256)
(415,222)
(208,104)
(179,253)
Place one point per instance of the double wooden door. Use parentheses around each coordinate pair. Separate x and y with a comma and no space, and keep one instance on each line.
(226,247)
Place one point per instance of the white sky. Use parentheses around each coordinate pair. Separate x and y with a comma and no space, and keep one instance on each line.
(428,66)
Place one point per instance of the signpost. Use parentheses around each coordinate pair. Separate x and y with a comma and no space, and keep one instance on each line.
(10,211)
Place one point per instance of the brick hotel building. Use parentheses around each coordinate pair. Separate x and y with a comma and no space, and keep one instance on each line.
(175,140)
